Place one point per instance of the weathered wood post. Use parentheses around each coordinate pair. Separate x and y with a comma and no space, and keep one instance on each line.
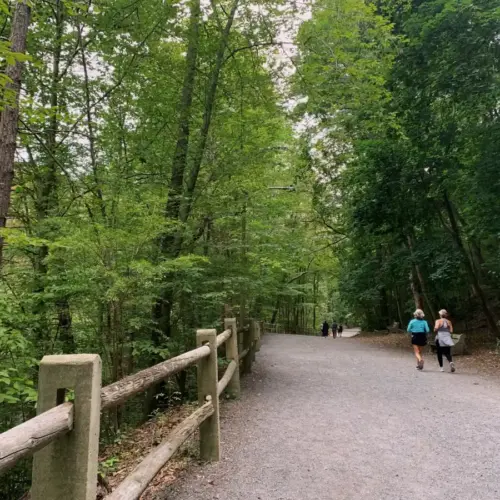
(253,338)
(67,468)
(207,386)
(259,336)
(241,334)
(247,347)
(233,388)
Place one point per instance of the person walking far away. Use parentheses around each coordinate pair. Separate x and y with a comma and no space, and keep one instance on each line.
(334,329)
(444,342)
(419,329)
(340,329)
(324,329)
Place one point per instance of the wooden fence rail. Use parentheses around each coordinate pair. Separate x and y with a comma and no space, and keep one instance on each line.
(64,436)
(22,441)
(231,368)
(134,485)
(117,393)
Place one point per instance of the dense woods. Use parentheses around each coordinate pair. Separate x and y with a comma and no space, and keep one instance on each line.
(286,161)
(404,98)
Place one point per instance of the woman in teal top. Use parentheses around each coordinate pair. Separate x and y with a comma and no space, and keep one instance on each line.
(419,329)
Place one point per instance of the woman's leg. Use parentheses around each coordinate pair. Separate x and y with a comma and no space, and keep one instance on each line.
(418,354)
(439,351)
(447,353)
(416,350)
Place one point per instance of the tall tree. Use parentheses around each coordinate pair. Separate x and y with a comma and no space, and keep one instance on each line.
(10,112)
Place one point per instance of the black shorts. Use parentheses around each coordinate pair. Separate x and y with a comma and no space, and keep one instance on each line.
(419,339)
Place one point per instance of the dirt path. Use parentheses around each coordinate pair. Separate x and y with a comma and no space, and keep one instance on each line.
(326,419)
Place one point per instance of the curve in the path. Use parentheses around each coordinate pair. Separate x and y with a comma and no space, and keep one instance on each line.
(326,419)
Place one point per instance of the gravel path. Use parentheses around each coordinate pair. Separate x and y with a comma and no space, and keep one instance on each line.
(332,419)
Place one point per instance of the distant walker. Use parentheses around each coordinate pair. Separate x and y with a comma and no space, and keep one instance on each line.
(334,329)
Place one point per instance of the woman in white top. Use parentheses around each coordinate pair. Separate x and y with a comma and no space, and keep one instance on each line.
(444,342)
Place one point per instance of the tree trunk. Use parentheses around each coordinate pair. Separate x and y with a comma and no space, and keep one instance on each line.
(490,317)
(398,304)
(244,261)
(47,174)
(207,116)
(384,308)
(90,128)
(179,163)
(46,201)
(275,311)
(179,202)
(162,309)
(65,331)
(420,276)
(10,114)
(315,295)
(417,298)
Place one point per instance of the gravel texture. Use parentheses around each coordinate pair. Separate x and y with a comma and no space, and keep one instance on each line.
(333,419)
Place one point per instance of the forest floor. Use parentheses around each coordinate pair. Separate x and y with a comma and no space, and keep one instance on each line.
(482,360)
(117,460)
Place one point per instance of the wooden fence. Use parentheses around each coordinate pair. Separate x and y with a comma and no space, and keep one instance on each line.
(64,436)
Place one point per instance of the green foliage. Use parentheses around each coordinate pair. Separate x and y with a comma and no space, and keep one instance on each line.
(108,466)
(18,366)
(84,265)
(391,147)
(410,159)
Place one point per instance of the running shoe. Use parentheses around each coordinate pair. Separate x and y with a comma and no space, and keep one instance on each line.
(441,369)
(452,367)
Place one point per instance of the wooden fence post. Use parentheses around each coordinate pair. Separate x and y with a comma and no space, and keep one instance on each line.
(258,342)
(241,336)
(207,386)
(253,338)
(247,346)
(233,388)
(67,468)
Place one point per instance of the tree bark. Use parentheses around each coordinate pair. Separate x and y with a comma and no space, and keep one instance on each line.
(417,298)
(10,114)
